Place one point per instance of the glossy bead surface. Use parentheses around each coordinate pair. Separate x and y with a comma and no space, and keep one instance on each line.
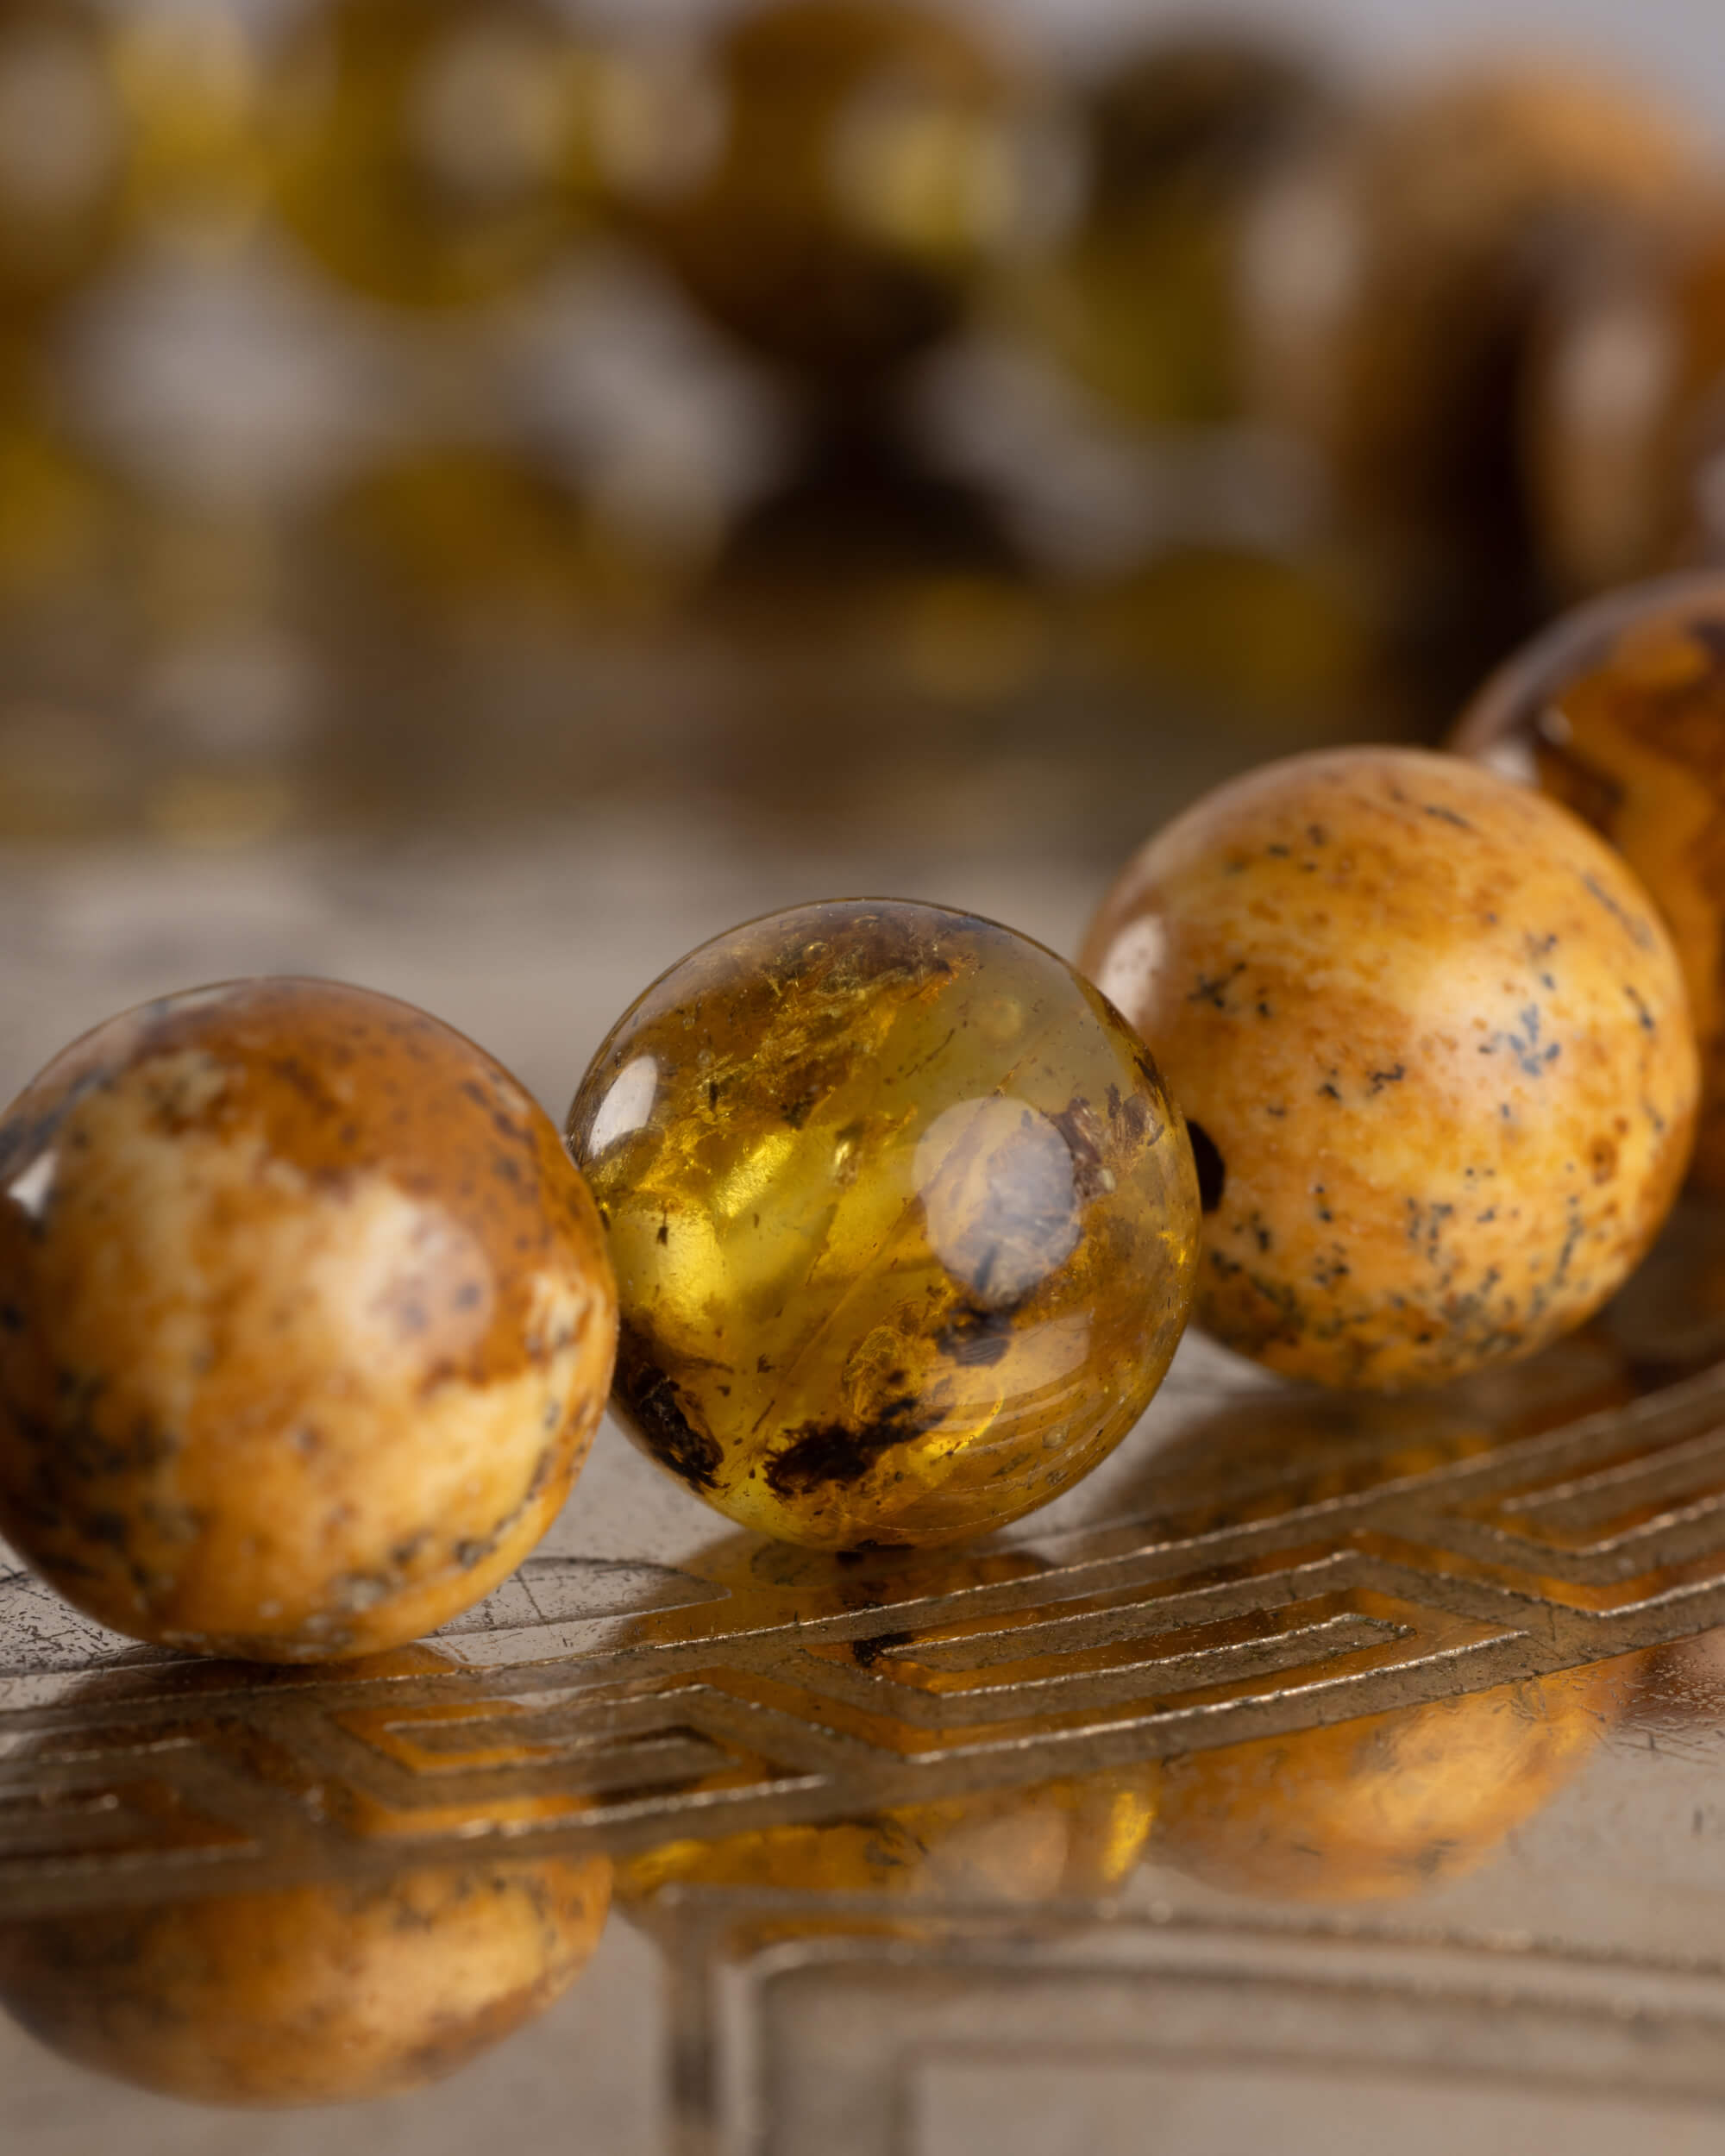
(1619,713)
(308,1322)
(1436,1040)
(905,1225)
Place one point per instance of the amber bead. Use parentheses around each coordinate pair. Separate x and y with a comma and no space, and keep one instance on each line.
(308,1322)
(1433,1043)
(904,1221)
(867,160)
(1619,713)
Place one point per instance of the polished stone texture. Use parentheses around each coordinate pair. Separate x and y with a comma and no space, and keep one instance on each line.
(1437,1046)
(308,1322)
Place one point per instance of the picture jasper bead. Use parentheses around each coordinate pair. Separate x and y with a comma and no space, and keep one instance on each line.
(306,1322)
(1432,1040)
(904,1221)
(1619,713)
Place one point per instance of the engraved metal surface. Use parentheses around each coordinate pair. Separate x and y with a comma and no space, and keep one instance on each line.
(1235,1605)
(1050,1844)
(960,2024)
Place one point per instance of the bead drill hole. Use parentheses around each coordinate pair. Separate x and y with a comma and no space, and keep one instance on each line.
(1213,1172)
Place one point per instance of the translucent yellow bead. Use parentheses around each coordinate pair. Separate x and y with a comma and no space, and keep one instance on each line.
(904,1221)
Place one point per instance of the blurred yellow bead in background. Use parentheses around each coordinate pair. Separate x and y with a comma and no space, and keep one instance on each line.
(480,533)
(1274,640)
(867,160)
(1139,300)
(62,151)
(1388,1805)
(433,153)
(55,508)
(190,77)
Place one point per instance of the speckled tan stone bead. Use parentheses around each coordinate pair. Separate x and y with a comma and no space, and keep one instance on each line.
(1434,1046)
(1618,710)
(1386,1806)
(305,1321)
(905,1226)
(844,173)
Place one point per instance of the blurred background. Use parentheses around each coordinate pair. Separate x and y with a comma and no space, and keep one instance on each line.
(493,490)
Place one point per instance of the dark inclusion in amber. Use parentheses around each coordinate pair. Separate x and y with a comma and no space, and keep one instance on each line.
(1619,711)
(905,1223)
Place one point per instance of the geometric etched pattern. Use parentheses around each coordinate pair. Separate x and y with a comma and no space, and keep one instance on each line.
(616,1707)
